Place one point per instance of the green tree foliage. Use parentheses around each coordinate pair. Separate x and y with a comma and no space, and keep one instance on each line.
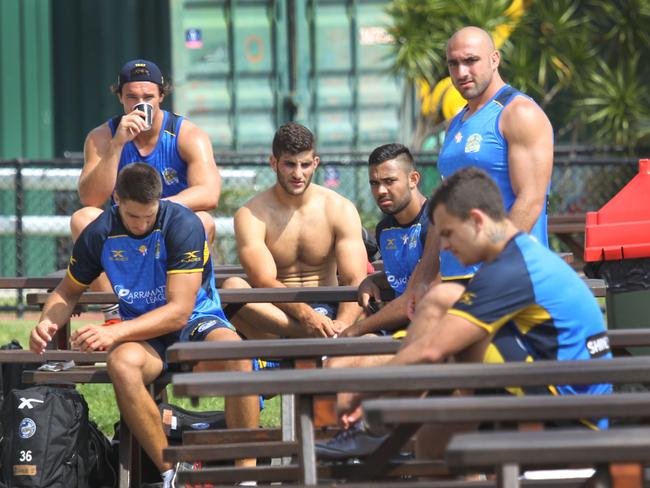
(583,61)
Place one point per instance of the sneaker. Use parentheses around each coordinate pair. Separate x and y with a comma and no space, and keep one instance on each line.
(351,443)
(187,467)
(112,321)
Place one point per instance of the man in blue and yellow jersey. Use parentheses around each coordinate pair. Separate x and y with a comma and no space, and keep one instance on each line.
(179,150)
(402,236)
(524,304)
(156,257)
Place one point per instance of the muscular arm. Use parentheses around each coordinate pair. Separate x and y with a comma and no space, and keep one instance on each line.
(101,159)
(394,314)
(203,179)
(350,255)
(530,159)
(56,312)
(448,337)
(258,262)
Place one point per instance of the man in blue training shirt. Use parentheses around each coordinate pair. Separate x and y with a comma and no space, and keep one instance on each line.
(179,150)
(500,130)
(524,304)
(156,257)
(402,236)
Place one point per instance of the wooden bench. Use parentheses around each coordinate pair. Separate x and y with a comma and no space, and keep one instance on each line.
(275,295)
(308,384)
(406,415)
(50,281)
(561,447)
(565,227)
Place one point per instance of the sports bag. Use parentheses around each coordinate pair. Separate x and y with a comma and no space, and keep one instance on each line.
(177,420)
(45,442)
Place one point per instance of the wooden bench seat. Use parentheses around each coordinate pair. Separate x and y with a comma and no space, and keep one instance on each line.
(406,415)
(565,227)
(308,384)
(550,448)
(396,411)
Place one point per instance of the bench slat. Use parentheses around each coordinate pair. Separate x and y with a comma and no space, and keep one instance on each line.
(26,356)
(282,348)
(504,408)
(291,472)
(414,377)
(549,447)
(220,452)
(228,436)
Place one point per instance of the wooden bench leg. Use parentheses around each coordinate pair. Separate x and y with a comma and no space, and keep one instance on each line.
(508,476)
(125,451)
(306,438)
(288,422)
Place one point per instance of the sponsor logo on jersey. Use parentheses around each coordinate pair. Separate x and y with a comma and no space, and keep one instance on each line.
(118,255)
(73,260)
(598,345)
(473,143)
(467,298)
(27,428)
(170,176)
(191,257)
(390,244)
(396,282)
(157,252)
(458,137)
(143,250)
(414,241)
(150,297)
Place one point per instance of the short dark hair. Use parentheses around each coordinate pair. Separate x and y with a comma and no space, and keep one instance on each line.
(394,150)
(293,139)
(467,189)
(139,182)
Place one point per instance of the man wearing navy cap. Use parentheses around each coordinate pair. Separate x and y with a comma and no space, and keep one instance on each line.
(179,150)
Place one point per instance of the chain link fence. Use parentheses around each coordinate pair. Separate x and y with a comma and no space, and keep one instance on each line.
(38,197)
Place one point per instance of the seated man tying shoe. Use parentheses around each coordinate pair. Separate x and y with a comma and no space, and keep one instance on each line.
(524,304)
(155,255)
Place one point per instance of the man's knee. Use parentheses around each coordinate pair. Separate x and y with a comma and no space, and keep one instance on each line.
(81,218)
(235,282)
(127,362)
(208,224)
(223,334)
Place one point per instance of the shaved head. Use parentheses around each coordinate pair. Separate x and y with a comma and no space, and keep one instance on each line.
(472,35)
(473,64)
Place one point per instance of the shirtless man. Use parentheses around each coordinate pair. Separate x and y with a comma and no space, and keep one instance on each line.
(297,234)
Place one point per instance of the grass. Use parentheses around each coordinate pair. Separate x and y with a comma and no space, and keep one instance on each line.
(100,398)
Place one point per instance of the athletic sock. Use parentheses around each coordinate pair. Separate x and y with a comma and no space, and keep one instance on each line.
(111,312)
(167,477)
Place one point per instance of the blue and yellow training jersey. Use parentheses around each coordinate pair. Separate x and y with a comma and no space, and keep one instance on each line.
(537,308)
(138,266)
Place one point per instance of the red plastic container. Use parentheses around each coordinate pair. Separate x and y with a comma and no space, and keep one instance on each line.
(621,228)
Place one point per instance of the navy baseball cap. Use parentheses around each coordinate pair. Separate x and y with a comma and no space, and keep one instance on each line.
(139,70)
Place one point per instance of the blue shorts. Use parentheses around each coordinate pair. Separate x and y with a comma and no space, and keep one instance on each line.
(328,309)
(195,331)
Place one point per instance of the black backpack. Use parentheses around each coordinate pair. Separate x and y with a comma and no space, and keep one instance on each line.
(45,442)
